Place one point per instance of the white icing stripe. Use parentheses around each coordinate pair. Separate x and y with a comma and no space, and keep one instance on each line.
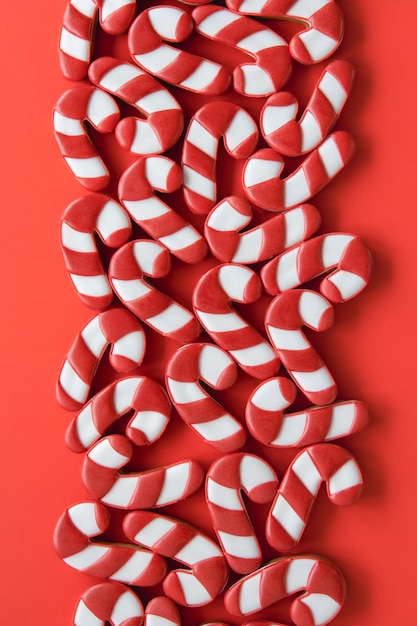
(341,420)
(131,346)
(345,477)
(203,75)
(317,44)
(217,429)
(202,139)
(255,355)
(288,339)
(86,429)
(240,128)
(286,274)
(124,392)
(72,384)
(330,157)
(95,286)
(314,381)
(170,319)
(119,76)
(121,493)
(254,472)
(110,6)
(175,482)
(147,209)
(185,392)
(157,59)
(83,517)
(311,307)
(126,607)
(242,547)
(214,22)
(182,238)
(154,531)
(93,337)
(224,497)
(105,455)
(150,423)
(285,515)
(85,7)
(322,607)
(130,290)
(196,550)
(292,427)
(306,8)
(198,183)
(84,617)
(75,240)
(249,596)
(193,591)
(67,125)
(85,558)
(304,468)
(347,283)
(133,567)
(110,219)
(90,167)
(333,91)
(220,322)
(212,362)
(297,574)
(157,101)
(74,46)
(296,188)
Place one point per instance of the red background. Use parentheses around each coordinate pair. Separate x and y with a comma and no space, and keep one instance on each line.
(370,349)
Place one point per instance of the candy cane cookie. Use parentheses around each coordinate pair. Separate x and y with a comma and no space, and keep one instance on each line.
(199,155)
(142,395)
(157,219)
(272,66)
(344,254)
(164,118)
(322,583)
(161,611)
(267,423)
(213,366)
(82,219)
(265,188)
(227,242)
(292,137)
(78,26)
(180,68)
(212,296)
(77,105)
(122,563)
(153,488)
(109,603)
(290,511)
(225,479)
(115,327)
(324,20)
(168,537)
(284,318)
(128,267)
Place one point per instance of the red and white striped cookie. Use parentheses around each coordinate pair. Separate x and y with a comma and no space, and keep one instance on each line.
(82,219)
(75,106)
(212,296)
(345,254)
(225,479)
(199,154)
(144,490)
(109,603)
(115,327)
(324,19)
(322,583)
(272,66)
(142,395)
(284,318)
(161,611)
(290,511)
(136,193)
(178,67)
(128,267)
(213,366)
(207,573)
(227,242)
(292,137)
(127,564)
(265,188)
(164,118)
(78,26)
(268,424)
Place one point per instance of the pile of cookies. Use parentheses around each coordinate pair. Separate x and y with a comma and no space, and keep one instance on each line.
(215,290)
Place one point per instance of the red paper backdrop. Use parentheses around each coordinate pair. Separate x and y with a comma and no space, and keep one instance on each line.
(370,350)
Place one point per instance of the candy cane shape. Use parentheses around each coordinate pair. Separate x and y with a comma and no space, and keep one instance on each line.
(272,66)
(177,67)
(225,479)
(127,269)
(268,424)
(265,188)
(164,118)
(324,19)
(116,327)
(207,573)
(227,243)
(140,394)
(345,254)
(199,155)
(86,216)
(322,583)
(161,611)
(109,602)
(284,318)
(126,564)
(143,490)
(75,106)
(78,26)
(213,366)
(292,137)
(136,193)
(290,511)
(212,296)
